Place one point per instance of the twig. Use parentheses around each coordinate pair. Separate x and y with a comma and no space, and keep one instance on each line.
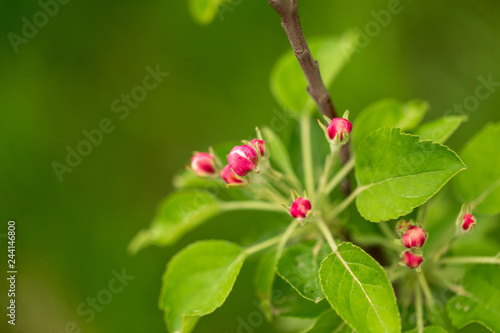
(287,10)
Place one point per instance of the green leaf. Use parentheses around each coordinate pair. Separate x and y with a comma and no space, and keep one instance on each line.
(178,214)
(441,129)
(481,302)
(288,83)
(197,281)
(357,288)
(286,302)
(204,11)
(480,184)
(387,113)
(329,321)
(397,172)
(264,281)
(299,266)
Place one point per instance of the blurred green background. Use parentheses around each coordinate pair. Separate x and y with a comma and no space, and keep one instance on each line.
(72,234)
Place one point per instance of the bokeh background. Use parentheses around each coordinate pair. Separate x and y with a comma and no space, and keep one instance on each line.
(72,234)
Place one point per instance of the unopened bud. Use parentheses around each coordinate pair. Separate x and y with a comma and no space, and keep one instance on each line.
(243,159)
(300,208)
(468,222)
(412,260)
(231,178)
(414,237)
(261,145)
(339,129)
(203,164)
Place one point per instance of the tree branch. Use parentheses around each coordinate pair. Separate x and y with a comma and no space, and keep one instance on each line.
(287,10)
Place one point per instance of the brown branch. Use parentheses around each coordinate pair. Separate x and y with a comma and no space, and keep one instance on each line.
(287,10)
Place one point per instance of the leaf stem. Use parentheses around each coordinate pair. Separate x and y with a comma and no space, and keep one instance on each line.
(251,205)
(388,232)
(470,260)
(339,176)
(307,158)
(427,291)
(325,231)
(344,204)
(419,310)
(263,245)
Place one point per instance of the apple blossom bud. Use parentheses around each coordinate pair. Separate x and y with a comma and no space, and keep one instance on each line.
(414,237)
(412,260)
(231,178)
(469,222)
(300,208)
(340,127)
(261,144)
(203,164)
(243,159)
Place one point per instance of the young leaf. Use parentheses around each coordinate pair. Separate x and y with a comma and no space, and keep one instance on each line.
(286,302)
(397,172)
(480,184)
(197,281)
(288,83)
(299,266)
(358,289)
(441,129)
(179,213)
(481,302)
(387,112)
(204,11)
(329,321)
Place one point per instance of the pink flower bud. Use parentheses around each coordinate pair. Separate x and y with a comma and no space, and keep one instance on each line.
(340,127)
(414,237)
(300,208)
(412,260)
(231,178)
(469,222)
(259,144)
(243,159)
(203,164)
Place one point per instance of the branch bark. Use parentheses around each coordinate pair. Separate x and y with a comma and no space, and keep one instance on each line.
(287,10)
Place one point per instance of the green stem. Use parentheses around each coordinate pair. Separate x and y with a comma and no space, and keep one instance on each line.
(427,291)
(339,176)
(251,205)
(418,305)
(344,204)
(307,158)
(323,228)
(263,245)
(388,232)
(326,171)
(470,260)
(284,238)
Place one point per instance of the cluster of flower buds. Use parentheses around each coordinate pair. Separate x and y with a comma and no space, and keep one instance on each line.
(241,161)
(338,129)
(413,237)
